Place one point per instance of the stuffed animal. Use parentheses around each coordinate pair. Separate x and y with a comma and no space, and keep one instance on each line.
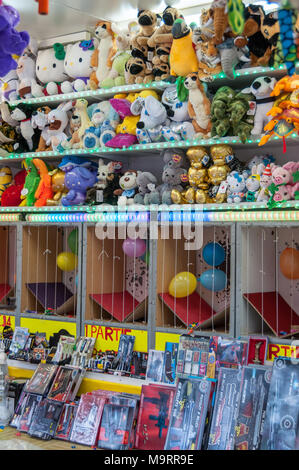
(49,69)
(107,183)
(128,188)
(58,121)
(101,59)
(104,121)
(208,57)
(26,76)
(257,43)
(236,187)
(220,115)
(116,76)
(253,183)
(11,197)
(231,56)
(44,190)
(152,116)
(5,179)
(10,141)
(137,70)
(241,114)
(10,84)
(12,42)
(199,106)
(182,59)
(147,21)
(39,120)
(31,183)
(218,172)
(76,140)
(77,181)
(180,126)
(262,89)
(146,183)
(22,113)
(197,192)
(174,174)
(265,181)
(58,187)
(77,65)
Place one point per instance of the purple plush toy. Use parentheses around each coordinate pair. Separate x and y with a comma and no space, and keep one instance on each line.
(11,41)
(77,181)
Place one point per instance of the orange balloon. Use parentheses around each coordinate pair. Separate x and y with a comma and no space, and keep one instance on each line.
(289,263)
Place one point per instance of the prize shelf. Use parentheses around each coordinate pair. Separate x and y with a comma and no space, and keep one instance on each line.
(242,78)
(152,148)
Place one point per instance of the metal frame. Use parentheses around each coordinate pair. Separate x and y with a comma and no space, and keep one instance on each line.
(238,286)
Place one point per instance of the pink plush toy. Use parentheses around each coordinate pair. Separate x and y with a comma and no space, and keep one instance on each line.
(283,174)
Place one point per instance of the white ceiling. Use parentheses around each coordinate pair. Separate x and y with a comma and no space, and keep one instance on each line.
(72,16)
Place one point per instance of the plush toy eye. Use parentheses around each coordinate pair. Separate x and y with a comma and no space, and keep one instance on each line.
(104,26)
(54,66)
(65,63)
(38,67)
(80,60)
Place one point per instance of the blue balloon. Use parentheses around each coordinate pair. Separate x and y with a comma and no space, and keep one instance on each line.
(213,254)
(213,279)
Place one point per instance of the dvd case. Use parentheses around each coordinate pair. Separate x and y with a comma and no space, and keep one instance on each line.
(155,365)
(226,409)
(188,415)
(66,420)
(28,410)
(45,419)
(153,417)
(41,380)
(192,358)
(281,426)
(253,402)
(116,427)
(66,383)
(88,418)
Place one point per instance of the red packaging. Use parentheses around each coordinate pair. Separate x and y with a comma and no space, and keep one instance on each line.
(66,421)
(66,383)
(153,418)
(88,418)
(257,350)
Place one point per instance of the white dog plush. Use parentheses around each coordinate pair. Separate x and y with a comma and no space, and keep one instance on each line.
(261,88)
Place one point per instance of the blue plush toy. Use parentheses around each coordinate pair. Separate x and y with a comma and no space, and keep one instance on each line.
(104,119)
(152,116)
(77,181)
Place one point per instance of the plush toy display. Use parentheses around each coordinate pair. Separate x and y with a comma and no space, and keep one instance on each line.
(12,42)
(50,72)
(78,66)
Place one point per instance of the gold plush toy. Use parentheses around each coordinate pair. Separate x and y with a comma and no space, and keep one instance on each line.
(218,171)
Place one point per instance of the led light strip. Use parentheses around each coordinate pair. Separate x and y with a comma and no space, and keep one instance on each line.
(100,217)
(9,217)
(252,216)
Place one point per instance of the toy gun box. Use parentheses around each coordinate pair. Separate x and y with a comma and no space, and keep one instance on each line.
(66,420)
(226,352)
(66,383)
(155,365)
(28,409)
(226,409)
(253,402)
(121,364)
(45,419)
(188,416)
(42,379)
(88,418)
(153,417)
(170,361)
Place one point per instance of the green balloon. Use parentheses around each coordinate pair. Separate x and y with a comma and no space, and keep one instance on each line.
(72,241)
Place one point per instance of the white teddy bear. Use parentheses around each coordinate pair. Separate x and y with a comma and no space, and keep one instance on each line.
(77,65)
(50,71)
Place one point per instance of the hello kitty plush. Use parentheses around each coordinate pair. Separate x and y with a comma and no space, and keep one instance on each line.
(265,181)
(26,75)
(77,65)
(236,190)
(253,183)
(50,71)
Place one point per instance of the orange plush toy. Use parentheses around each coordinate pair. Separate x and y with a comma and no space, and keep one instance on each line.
(44,190)
(182,58)
(199,106)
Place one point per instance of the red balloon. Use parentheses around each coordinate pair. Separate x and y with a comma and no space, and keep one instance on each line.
(289,263)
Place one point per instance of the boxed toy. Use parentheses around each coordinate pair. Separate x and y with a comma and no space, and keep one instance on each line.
(116,427)
(225,352)
(18,342)
(139,364)
(66,383)
(170,360)
(280,429)
(15,421)
(153,417)
(64,350)
(257,350)
(155,363)
(122,362)
(192,356)
(83,350)
(41,380)
(253,402)
(28,410)
(226,409)
(66,420)
(188,415)
(45,419)
(88,418)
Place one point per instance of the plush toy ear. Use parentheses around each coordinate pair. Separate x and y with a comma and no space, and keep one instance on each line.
(137,105)
(66,106)
(246,91)
(84,173)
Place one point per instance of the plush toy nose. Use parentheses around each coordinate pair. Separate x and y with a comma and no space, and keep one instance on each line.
(71,63)
(44,68)
(140,125)
(135,69)
(145,20)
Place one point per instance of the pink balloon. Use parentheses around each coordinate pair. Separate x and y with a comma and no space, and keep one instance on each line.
(133,247)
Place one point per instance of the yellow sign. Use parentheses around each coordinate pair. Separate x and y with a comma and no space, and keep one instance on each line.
(282,350)
(7,320)
(107,338)
(162,338)
(48,326)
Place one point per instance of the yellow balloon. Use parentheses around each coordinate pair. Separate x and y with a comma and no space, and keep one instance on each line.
(67,261)
(182,285)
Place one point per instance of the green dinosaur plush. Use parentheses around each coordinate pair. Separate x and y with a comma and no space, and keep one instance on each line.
(221,101)
(221,127)
(242,115)
(31,183)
